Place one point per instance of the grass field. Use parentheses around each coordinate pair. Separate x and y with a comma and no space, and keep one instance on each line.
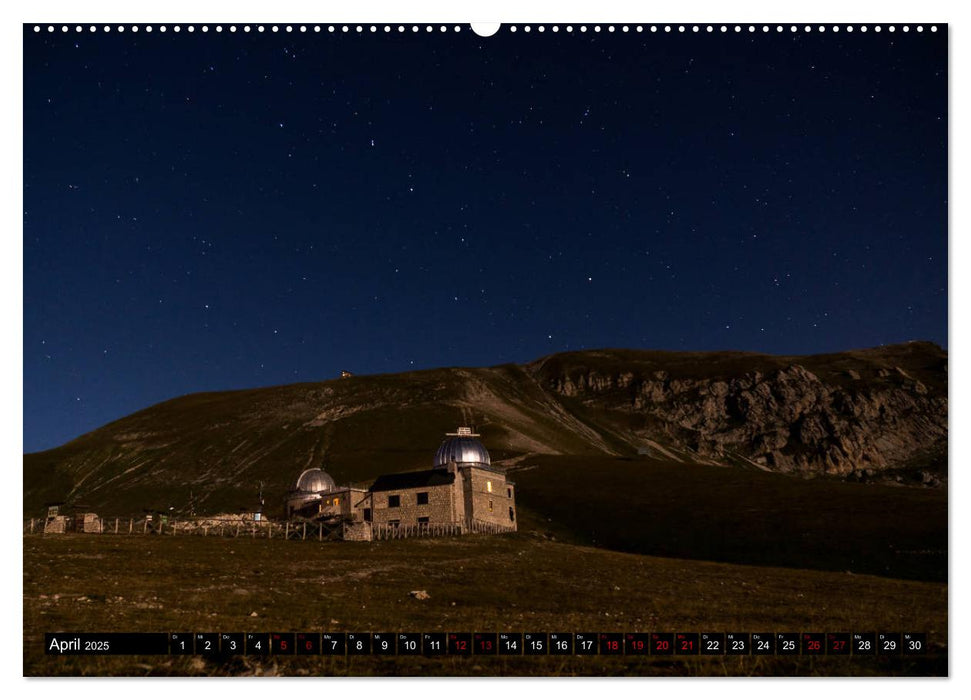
(477,583)
(693,511)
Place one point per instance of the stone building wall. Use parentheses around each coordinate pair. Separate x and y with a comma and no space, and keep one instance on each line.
(491,506)
(87,522)
(357,532)
(437,510)
(344,503)
(58,524)
(357,500)
(459,490)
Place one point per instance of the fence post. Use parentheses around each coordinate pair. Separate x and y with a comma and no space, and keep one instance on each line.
(286,531)
(304,531)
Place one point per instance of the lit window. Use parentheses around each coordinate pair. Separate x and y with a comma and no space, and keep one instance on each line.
(490,506)
(337,501)
(489,486)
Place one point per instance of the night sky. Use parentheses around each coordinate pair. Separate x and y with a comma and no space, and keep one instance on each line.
(225,211)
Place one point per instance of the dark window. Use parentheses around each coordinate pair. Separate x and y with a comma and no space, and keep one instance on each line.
(509,493)
(422,498)
(394,501)
(422,520)
(490,506)
(512,514)
(394,523)
(367,514)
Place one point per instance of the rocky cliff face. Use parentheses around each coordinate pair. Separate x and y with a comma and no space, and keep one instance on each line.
(785,418)
(861,415)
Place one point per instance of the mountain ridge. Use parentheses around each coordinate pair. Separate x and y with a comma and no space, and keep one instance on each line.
(861,414)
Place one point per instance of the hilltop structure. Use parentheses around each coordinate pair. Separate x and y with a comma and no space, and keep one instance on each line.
(461,493)
(315,496)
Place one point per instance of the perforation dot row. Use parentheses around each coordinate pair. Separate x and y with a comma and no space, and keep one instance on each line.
(414,28)
(303,28)
(724,28)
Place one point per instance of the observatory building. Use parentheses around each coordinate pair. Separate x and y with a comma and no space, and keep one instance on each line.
(315,496)
(461,493)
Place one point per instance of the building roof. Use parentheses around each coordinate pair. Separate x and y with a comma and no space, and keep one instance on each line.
(461,447)
(314,481)
(412,480)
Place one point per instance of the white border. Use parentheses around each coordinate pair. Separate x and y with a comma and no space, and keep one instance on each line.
(440,11)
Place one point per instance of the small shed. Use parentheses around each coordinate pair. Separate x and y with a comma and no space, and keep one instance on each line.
(59,524)
(87,522)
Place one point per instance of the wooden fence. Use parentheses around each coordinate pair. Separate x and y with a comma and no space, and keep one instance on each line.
(398,532)
(289,530)
(168,527)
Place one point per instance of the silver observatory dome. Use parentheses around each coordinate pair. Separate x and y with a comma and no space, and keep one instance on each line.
(462,447)
(314,481)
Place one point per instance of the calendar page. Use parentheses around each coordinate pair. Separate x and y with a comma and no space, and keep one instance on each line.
(531,348)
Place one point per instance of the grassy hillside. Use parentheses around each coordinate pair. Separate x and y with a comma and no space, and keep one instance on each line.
(219,446)
(478,583)
(748,517)
(209,452)
(693,535)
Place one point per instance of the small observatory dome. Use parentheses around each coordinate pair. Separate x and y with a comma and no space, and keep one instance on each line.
(314,481)
(462,447)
